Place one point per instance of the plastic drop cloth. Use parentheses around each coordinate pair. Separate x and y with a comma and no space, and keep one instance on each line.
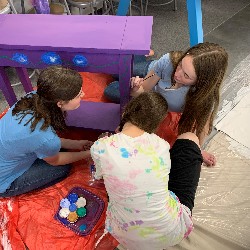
(222,206)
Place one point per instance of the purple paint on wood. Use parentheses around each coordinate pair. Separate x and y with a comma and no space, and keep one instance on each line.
(105,63)
(95,34)
(142,33)
(95,115)
(107,44)
(125,70)
(24,78)
(6,88)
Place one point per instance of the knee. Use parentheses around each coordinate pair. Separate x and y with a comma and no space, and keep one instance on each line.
(112,92)
(189,136)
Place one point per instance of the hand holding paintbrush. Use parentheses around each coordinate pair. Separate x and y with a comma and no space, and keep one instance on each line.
(137,81)
(136,84)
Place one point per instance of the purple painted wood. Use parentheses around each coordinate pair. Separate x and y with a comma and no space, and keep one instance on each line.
(92,34)
(6,88)
(125,69)
(95,115)
(86,43)
(24,78)
(135,34)
(106,63)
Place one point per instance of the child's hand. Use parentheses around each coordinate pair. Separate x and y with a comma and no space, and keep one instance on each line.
(208,159)
(105,134)
(117,130)
(84,144)
(135,83)
(136,86)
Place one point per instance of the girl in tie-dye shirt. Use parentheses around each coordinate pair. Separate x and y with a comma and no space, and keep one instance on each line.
(135,165)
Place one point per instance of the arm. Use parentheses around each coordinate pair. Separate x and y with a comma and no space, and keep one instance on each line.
(149,84)
(204,132)
(75,144)
(208,159)
(161,69)
(96,156)
(138,85)
(63,158)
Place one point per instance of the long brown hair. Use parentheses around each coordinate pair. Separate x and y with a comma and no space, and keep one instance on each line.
(210,63)
(145,111)
(54,84)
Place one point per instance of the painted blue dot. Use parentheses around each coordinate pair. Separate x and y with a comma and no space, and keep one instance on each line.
(80,60)
(72,207)
(51,58)
(83,227)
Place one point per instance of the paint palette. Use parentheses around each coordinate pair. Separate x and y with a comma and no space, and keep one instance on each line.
(80,210)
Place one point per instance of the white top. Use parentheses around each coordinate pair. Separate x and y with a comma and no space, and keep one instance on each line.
(142,212)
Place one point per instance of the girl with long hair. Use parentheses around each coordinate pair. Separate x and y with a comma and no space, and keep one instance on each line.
(31,156)
(190,82)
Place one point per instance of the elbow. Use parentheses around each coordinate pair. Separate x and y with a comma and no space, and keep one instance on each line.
(53,160)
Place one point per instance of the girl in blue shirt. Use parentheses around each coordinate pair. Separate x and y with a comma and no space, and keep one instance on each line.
(30,147)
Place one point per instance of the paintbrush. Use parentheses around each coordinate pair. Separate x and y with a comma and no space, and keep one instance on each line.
(144,79)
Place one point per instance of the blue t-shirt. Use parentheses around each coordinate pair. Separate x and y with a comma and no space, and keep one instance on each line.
(19,147)
(175,97)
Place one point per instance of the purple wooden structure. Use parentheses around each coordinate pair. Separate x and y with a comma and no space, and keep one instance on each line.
(87,43)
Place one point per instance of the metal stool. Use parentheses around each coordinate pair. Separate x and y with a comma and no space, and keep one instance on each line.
(58,8)
(12,7)
(93,5)
(160,4)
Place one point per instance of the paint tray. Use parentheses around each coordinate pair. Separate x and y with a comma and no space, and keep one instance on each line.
(94,208)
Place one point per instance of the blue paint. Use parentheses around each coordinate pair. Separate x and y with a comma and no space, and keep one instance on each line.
(80,61)
(51,58)
(83,227)
(72,207)
(123,8)
(20,58)
(195,22)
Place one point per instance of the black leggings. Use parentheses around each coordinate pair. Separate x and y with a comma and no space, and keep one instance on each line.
(186,160)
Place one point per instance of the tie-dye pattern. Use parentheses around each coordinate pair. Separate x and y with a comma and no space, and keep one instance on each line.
(142,212)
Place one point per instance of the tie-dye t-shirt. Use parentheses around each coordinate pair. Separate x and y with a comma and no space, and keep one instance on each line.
(142,213)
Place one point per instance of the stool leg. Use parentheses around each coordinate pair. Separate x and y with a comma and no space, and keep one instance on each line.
(142,12)
(23,8)
(12,6)
(6,88)
(67,7)
(146,8)
(112,7)
(24,78)
(81,11)
(92,8)
(175,5)
(106,7)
